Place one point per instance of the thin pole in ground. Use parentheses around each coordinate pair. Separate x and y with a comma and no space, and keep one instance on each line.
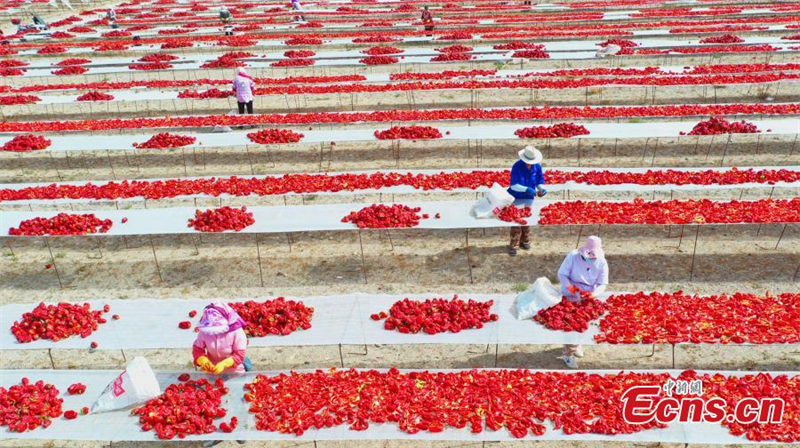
(466,250)
(725,150)
(110,164)
(194,243)
(389,237)
(694,251)
(580,234)
(55,165)
(363,263)
(183,155)
(249,160)
(99,248)
(673,356)
(53,260)
(655,150)
(258,252)
(780,237)
(710,145)
(155,258)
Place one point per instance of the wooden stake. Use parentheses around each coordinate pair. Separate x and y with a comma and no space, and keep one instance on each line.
(258,252)
(53,259)
(110,165)
(155,258)
(469,263)
(725,150)
(363,263)
(696,234)
(781,236)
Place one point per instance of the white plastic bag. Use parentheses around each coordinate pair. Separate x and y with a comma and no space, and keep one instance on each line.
(496,198)
(541,295)
(136,384)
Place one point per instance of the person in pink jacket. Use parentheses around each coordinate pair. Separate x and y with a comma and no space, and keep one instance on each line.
(244,86)
(221,343)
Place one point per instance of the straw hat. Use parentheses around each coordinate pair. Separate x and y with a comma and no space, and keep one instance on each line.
(530,155)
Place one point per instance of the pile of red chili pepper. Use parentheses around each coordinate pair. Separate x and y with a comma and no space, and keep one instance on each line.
(56,322)
(62,224)
(26,142)
(165,140)
(273,136)
(27,406)
(559,130)
(380,216)
(277,316)
(701,211)
(678,317)
(719,125)
(222,219)
(378,60)
(437,315)
(512,213)
(95,96)
(184,408)
(571,316)
(408,133)
(519,401)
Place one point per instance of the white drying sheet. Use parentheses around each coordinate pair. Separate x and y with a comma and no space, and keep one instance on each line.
(292,218)
(277,219)
(407,189)
(476,131)
(337,319)
(121,426)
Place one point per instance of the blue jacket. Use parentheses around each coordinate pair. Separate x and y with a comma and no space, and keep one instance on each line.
(521,175)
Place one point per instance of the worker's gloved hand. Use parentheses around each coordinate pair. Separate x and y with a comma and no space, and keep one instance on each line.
(573,289)
(540,191)
(530,191)
(222,365)
(205,364)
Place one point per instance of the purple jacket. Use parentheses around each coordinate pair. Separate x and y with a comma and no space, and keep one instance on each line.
(244,88)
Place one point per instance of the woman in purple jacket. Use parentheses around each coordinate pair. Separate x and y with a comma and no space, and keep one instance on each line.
(244,86)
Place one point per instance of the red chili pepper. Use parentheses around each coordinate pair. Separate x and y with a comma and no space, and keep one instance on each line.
(56,322)
(222,219)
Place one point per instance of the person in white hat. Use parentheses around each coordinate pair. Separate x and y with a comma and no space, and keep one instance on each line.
(527,179)
(583,270)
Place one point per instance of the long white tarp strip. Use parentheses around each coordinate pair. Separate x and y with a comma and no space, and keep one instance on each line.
(277,219)
(580,49)
(337,319)
(477,131)
(272,219)
(407,189)
(121,426)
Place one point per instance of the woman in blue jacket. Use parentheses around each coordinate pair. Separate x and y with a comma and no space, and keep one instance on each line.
(527,179)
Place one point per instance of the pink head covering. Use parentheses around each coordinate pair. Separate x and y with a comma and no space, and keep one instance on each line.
(243,73)
(592,248)
(220,318)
